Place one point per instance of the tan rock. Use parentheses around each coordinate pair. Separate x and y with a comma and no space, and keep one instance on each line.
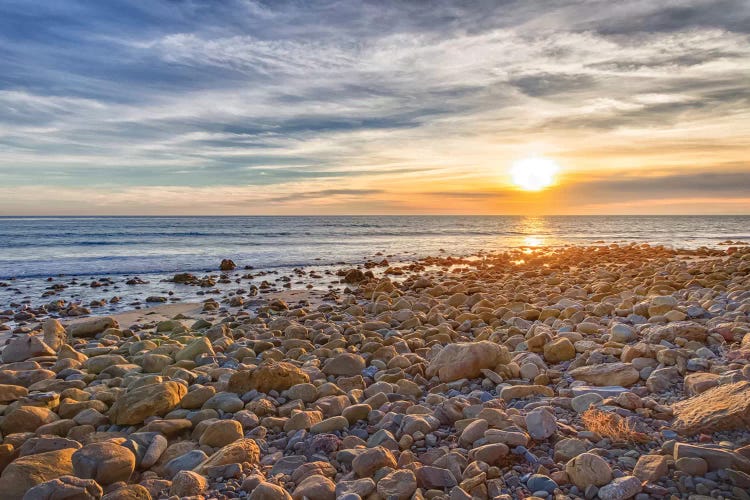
(64,488)
(399,484)
(315,486)
(25,347)
(587,469)
(269,376)
(651,467)
(372,459)
(725,407)
(136,405)
(27,419)
(54,334)
(104,462)
(466,360)
(345,364)
(188,484)
(560,349)
(623,374)
(26,472)
(10,393)
(242,450)
(221,433)
(269,491)
(91,327)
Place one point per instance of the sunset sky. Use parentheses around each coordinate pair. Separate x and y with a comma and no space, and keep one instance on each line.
(349,107)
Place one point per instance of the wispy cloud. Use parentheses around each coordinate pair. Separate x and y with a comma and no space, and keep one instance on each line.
(384,101)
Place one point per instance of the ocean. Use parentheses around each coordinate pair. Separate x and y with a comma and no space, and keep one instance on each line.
(152,248)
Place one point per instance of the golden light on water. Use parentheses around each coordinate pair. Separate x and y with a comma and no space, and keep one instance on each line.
(534,174)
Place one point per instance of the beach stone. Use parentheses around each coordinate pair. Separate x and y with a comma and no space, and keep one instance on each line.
(64,488)
(525,391)
(201,345)
(621,333)
(221,433)
(197,397)
(315,486)
(306,392)
(104,462)
(227,265)
(227,402)
(359,487)
(606,391)
(27,419)
(621,488)
(147,447)
(716,458)
(186,461)
(622,374)
(725,407)
(430,477)
(466,360)
(270,376)
(25,347)
(136,405)
(370,460)
(692,465)
(130,492)
(698,383)
(188,484)
(568,448)
(541,424)
(400,484)
(582,403)
(331,424)
(43,444)
(540,482)
(651,467)
(472,432)
(54,334)
(91,327)
(26,472)
(688,330)
(560,349)
(10,393)
(269,491)
(345,364)
(588,469)
(241,451)
(491,453)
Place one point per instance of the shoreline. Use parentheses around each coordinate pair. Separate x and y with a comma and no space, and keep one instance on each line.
(570,371)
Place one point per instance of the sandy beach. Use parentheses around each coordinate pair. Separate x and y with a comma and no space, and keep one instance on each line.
(580,372)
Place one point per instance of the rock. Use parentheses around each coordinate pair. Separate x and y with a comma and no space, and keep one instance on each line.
(186,461)
(466,360)
(221,433)
(716,458)
(692,465)
(582,403)
(147,447)
(25,347)
(272,376)
(400,484)
(588,469)
(622,374)
(330,425)
(54,334)
(621,488)
(64,488)
(43,444)
(199,346)
(104,462)
(540,482)
(698,383)
(10,393)
(568,448)
(27,419)
(241,451)
(430,477)
(541,424)
(269,491)
(92,327)
(525,391)
(651,467)
(26,472)
(669,332)
(359,487)
(370,460)
(188,484)
(560,349)
(621,333)
(315,486)
(227,265)
(345,364)
(136,405)
(725,407)
(129,492)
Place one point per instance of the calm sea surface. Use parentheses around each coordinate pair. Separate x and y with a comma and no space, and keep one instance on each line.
(154,248)
(47,246)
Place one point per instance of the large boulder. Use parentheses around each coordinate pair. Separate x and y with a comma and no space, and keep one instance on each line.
(27,419)
(241,451)
(26,472)
(104,462)
(136,405)
(466,360)
(269,376)
(622,374)
(25,347)
(92,327)
(725,407)
(54,334)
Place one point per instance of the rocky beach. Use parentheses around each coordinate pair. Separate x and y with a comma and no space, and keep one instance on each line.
(601,371)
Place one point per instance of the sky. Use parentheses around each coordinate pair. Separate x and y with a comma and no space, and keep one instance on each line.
(373,107)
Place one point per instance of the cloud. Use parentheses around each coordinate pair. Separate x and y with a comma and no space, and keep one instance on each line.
(388,97)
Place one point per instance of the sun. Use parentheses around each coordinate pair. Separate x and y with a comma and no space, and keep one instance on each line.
(534,174)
